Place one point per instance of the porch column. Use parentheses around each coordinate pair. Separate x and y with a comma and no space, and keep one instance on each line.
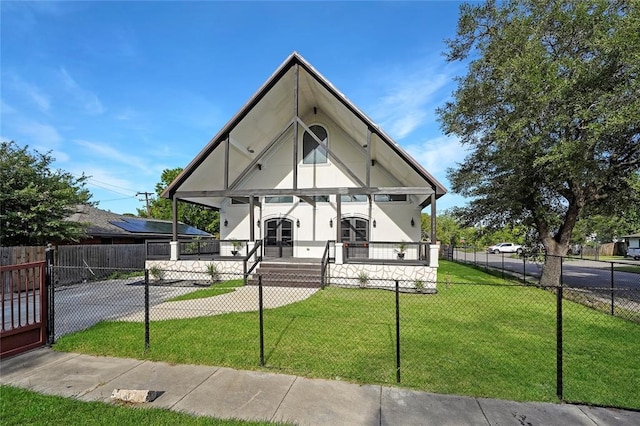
(338,218)
(173,245)
(433,218)
(339,245)
(434,252)
(252,225)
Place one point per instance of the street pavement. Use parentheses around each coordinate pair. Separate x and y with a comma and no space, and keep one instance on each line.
(252,395)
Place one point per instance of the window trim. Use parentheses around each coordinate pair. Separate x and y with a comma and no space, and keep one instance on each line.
(326,154)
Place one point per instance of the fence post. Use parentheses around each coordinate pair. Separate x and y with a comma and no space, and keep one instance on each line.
(502,257)
(146,310)
(397,332)
(261,320)
(49,283)
(612,292)
(524,268)
(559,366)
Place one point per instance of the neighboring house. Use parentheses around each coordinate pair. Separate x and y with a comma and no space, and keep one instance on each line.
(105,227)
(633,248)
(300,171)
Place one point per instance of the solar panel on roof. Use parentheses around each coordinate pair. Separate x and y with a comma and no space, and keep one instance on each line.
(147,226)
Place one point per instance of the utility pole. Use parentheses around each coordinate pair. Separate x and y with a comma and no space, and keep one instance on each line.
(146,198)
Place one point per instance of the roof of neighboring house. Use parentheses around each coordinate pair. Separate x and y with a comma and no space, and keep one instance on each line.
(103,223)
(294,90)
(637,235)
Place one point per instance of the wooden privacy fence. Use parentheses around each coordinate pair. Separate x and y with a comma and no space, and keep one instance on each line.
(20,255)
(92,262)
(102,256)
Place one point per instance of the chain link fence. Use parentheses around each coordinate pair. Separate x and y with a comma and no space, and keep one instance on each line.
(612,287)
(494,337)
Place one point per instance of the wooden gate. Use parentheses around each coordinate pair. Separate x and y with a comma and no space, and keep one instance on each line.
(24,308)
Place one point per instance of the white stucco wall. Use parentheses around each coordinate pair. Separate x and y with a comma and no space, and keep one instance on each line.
(393,219)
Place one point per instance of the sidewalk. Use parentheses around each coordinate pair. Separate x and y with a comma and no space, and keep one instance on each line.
(227,393)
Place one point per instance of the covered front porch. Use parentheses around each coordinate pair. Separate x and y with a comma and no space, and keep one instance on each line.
(382,262)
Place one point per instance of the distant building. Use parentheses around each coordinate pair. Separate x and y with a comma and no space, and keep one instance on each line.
(111,228)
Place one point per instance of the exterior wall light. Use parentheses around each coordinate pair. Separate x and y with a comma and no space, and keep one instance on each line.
(298,223)
(226,222)
(413,223)
(330,223)
(258,223)
(374,223)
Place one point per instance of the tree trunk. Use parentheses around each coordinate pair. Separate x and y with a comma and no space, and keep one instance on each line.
(553,264)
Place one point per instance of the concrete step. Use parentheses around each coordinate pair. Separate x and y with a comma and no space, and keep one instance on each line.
(285,274)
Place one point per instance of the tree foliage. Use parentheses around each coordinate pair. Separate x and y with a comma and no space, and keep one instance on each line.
(451,230)
(35,200)
(549,113)
(191,214)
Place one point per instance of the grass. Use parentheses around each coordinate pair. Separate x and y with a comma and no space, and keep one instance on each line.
(119,275)
(633,269)
(21,407)
(214,290)
(477,336)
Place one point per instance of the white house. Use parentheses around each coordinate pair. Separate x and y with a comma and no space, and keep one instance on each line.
(300,174)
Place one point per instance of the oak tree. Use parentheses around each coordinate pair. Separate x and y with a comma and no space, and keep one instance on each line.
(549,112)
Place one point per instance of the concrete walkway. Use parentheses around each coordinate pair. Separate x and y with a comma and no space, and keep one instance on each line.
(242,299)
(227,393)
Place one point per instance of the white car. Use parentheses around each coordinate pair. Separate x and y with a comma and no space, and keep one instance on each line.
(505,248)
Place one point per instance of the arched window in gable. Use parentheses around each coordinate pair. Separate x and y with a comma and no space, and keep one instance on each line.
(312,151)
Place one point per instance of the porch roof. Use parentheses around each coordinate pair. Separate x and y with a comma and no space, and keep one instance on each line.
(293,91)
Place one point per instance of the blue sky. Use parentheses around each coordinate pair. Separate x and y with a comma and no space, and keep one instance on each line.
(120,91)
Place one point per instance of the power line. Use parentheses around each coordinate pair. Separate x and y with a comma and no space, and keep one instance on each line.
(117,199)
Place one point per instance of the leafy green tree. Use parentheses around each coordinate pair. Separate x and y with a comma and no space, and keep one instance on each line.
(549,113)
(35,200)
(448,230)
(191,214)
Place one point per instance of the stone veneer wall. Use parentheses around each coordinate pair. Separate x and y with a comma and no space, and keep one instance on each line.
(381,275)
(194,269)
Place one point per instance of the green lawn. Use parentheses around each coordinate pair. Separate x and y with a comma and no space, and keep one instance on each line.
(477,336)
(634,269)
(23,407)
(215,289)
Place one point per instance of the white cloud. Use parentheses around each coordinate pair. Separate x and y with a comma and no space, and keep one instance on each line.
(107,152)
(88,100)
(408,98)
(438,154)
(106,179)
(38,133)
(28,91)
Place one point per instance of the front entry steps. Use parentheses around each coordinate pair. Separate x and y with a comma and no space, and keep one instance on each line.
(288,274)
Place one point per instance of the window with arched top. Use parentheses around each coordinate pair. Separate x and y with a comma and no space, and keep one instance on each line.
(312,151)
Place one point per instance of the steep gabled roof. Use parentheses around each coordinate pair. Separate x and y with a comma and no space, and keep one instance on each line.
(269,115)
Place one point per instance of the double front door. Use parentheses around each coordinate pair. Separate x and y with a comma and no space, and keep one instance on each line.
(278,241)
(355,236)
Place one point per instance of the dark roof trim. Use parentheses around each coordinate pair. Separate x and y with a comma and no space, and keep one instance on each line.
(296,59)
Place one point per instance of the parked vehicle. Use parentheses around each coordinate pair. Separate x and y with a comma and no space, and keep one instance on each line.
(634,252)
(505,248)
